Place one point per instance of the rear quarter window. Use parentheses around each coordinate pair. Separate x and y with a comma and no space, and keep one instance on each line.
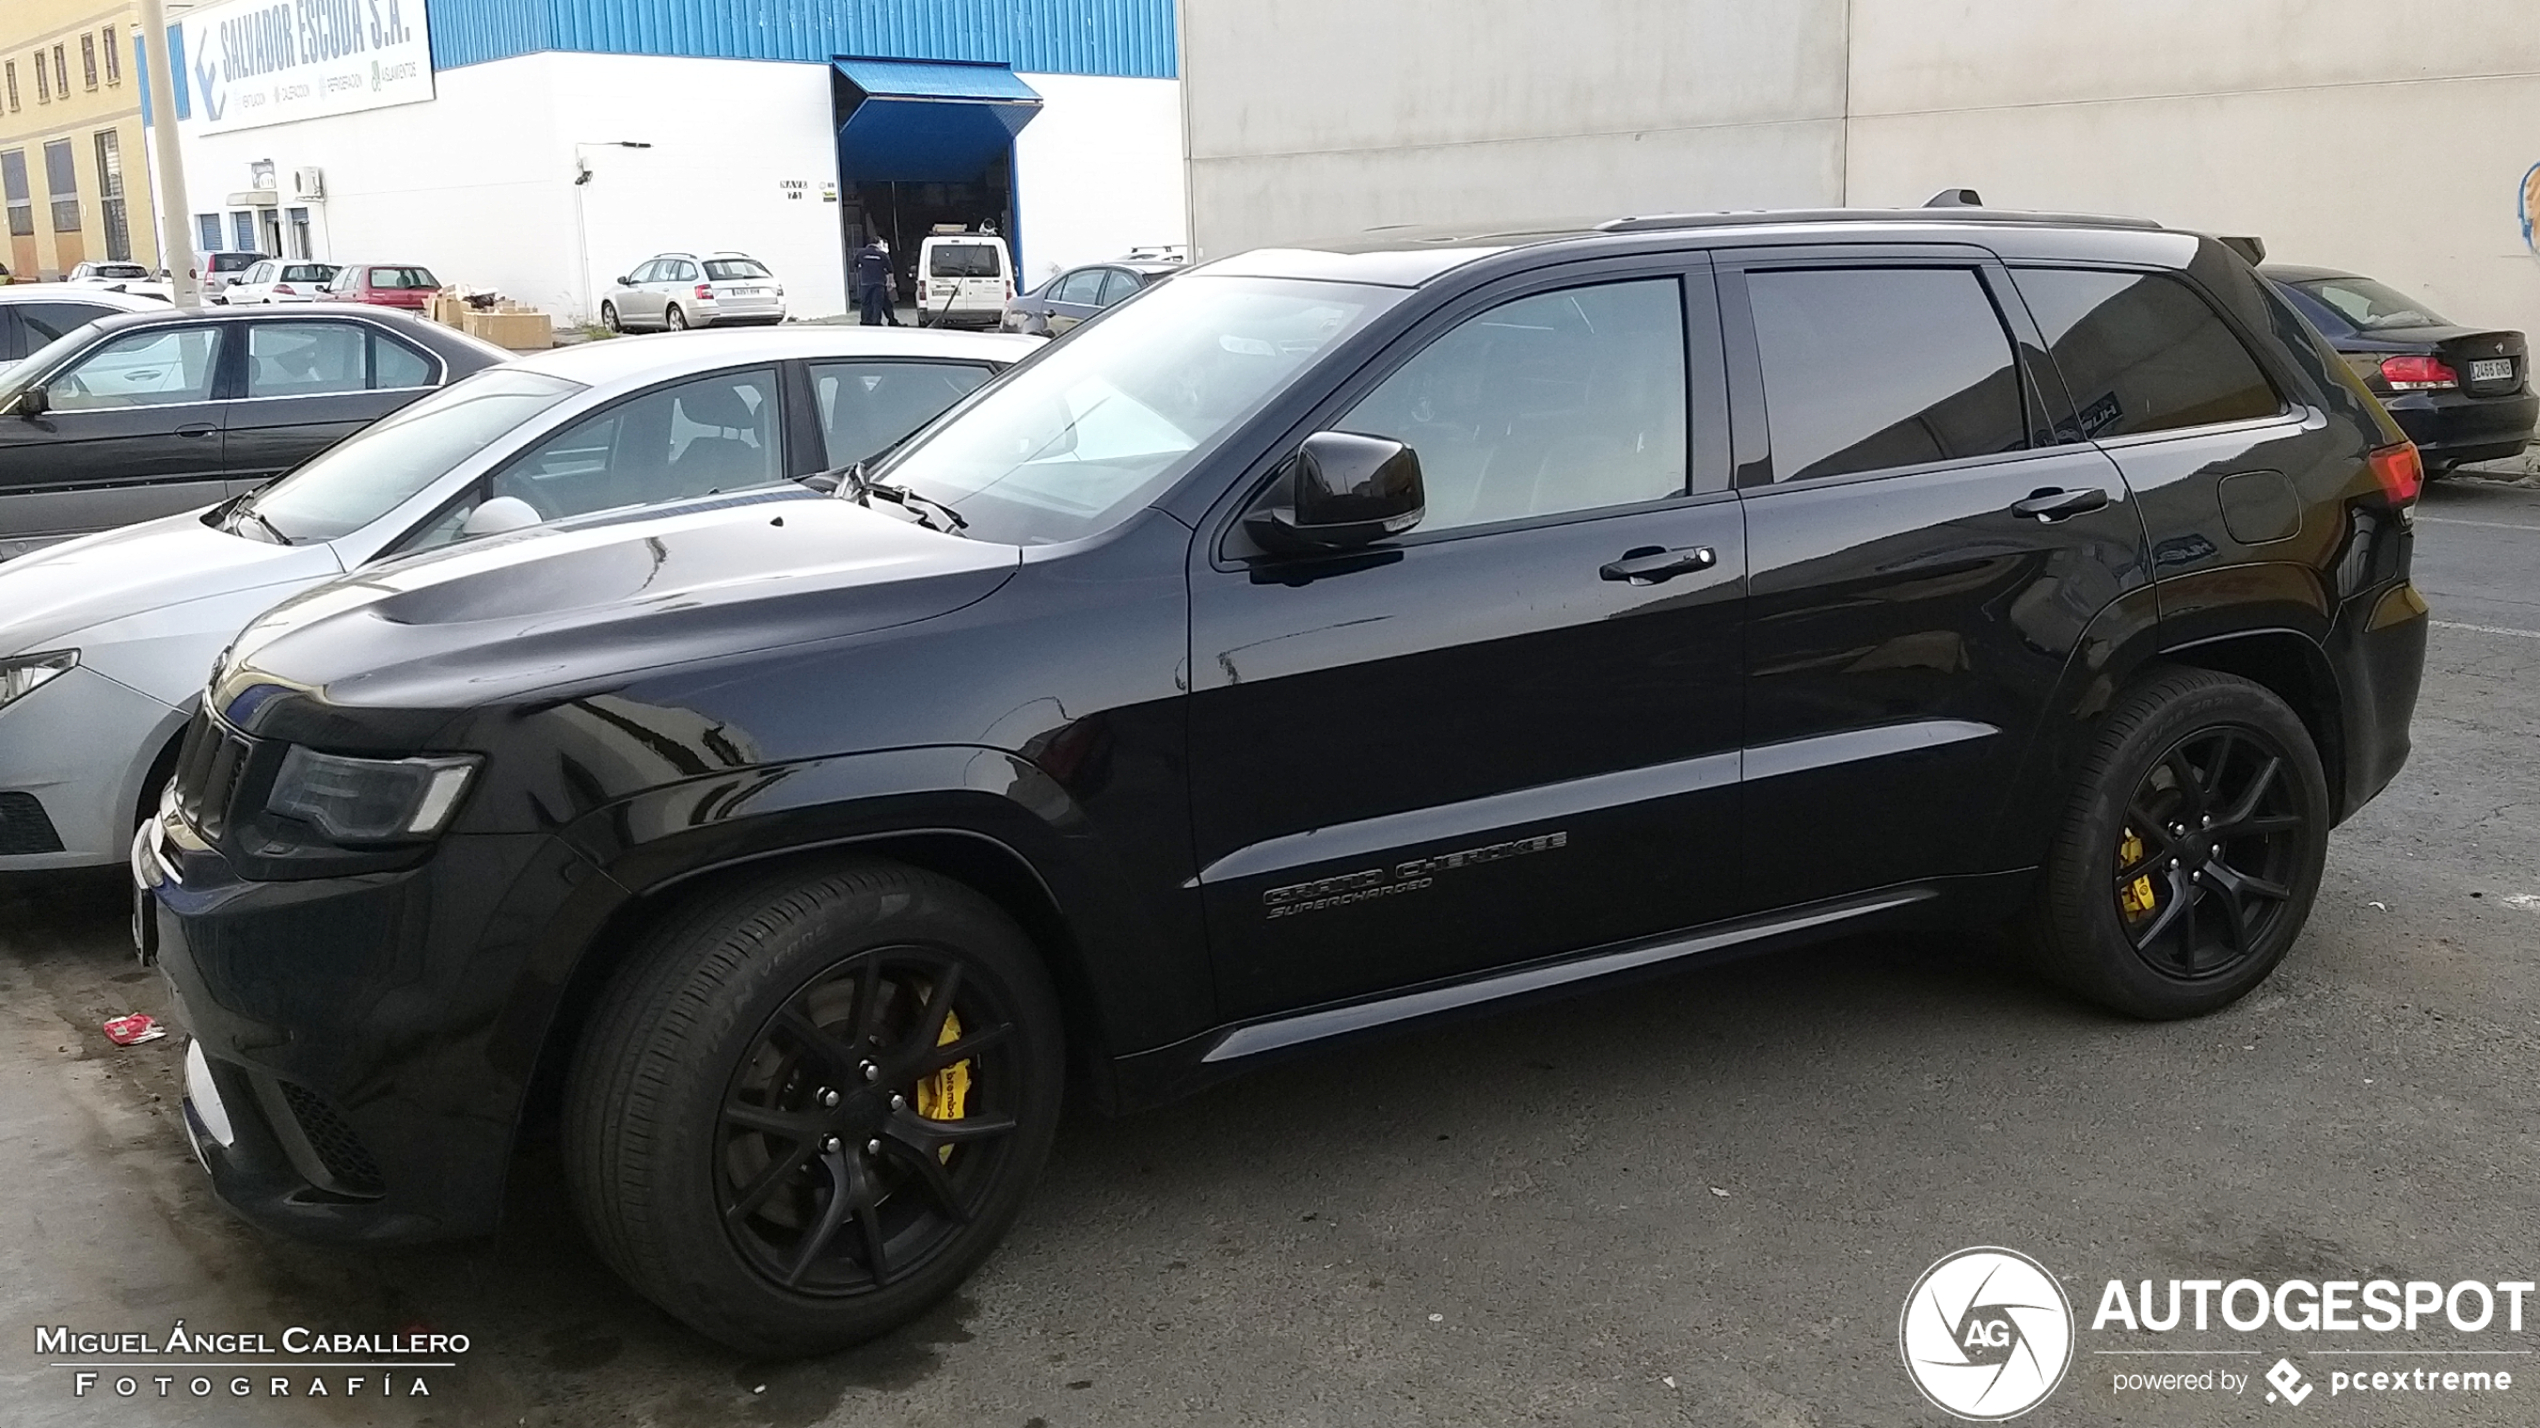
(2143,352)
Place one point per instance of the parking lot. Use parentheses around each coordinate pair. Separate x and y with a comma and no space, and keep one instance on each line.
(1700,1200)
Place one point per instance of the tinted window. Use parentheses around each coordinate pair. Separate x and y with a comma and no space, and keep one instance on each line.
(403,279)
(394,364)
(233,262)
(714,434)
(1870,368)
(2142,352)
(2369,306)
(1117,284)
(307,273)
(149,368)
(1080,287)
(371,472)
(1563,401)
(299,359)
(866,406)
(724,270)
(48,320)
(963,260)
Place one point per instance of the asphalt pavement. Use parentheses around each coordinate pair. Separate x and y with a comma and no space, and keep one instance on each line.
(1701,1200)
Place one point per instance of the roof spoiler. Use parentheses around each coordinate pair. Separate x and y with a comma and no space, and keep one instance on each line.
(1954,198)
(2254,250)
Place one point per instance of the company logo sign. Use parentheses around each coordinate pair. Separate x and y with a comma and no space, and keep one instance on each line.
(1986,1334)
(250,63)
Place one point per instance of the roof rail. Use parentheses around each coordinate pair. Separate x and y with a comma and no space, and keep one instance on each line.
(1659,222)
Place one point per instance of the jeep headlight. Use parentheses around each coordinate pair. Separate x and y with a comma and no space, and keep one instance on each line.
(21,675)
(370,800)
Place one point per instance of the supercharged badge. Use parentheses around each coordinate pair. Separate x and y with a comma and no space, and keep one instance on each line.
(1409,875)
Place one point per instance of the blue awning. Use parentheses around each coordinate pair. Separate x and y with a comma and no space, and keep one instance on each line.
(927,121)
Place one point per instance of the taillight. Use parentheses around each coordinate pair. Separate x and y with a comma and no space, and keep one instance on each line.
(2400,471)
(1009,290)
(2417,374)
(704,291)
(285,289)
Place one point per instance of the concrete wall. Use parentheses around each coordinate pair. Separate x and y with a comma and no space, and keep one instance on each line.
(477,184)
(1314,118)
(2344,132)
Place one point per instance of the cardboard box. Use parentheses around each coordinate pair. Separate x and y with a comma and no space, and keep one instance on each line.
(531,331)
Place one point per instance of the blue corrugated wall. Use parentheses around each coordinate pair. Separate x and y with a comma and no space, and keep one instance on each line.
(1132,38)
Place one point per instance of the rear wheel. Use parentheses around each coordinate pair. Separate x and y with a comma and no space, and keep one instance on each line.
(609,319)
(2189,858)
(677,320)
(813,1106)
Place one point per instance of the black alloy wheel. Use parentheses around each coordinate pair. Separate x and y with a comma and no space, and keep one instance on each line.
(865,1124)
(2191,851)
(812,1103)
(2208,856)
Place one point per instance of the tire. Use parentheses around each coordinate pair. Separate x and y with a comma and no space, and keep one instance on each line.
(706,1023)
(2189,916)
(675,320)
(609,318)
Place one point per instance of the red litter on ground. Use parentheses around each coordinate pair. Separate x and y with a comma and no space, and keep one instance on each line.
(134,1029)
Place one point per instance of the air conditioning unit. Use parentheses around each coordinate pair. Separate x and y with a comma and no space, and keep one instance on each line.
(308,183)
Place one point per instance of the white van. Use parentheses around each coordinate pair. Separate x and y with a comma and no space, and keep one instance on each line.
(963,280)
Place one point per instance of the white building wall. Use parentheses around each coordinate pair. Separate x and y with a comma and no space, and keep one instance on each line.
(1315,118)
(2345,133)
(1098,171)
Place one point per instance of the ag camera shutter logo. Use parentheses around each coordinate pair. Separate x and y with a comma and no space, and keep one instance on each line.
(1986,1334)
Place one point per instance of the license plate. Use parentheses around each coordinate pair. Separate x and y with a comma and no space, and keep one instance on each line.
(2492,369)
(742,292)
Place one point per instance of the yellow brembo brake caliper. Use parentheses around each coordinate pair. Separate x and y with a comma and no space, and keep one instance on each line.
(945,1096)
(2136,897)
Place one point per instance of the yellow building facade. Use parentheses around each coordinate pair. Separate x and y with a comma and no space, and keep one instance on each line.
(74,169)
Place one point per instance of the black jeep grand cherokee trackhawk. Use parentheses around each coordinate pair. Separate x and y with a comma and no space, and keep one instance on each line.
(1325,640)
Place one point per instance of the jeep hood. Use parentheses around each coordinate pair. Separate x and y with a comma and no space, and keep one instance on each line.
(584,603)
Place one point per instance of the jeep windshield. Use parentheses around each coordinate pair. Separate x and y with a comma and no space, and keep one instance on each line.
(1081,436)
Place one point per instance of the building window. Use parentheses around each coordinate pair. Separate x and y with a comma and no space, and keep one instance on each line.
(61,72)
(242,232)
(299,232)
(12,67)
(13,187)
(110,208)
(207,230)
(112,43)
(88,60)
(61,184)
(43,82)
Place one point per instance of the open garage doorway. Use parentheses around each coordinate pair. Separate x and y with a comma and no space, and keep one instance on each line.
(925,146)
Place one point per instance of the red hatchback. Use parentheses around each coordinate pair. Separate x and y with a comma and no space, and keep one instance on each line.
(403,285)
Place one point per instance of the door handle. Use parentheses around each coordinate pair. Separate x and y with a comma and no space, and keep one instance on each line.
(196,428)
(2055,503)
(1649,564)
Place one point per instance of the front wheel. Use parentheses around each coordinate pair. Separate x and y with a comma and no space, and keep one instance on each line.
(811,1107)
(2191,854)
(609,318)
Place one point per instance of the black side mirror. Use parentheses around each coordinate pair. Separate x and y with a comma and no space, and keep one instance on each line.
(624,281)
(1340,491)
(31,403)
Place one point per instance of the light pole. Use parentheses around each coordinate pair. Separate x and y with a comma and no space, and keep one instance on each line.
(581,222)
(176,239)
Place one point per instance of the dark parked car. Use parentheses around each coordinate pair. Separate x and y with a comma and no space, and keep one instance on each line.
(144,414)
(2460,393)
(1325,641)
(1079,293)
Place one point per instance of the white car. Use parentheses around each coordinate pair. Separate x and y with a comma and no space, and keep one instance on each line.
(105,641)
(273,280)
(676,291)
(963,280)
(33,314)
(121,278)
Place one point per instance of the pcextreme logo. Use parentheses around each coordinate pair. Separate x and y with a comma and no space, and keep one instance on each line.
(1986,1334)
